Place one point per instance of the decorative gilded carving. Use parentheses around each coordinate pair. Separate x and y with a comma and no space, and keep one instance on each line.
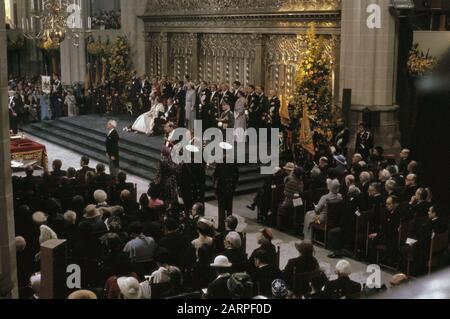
(225,6)
(283,53)
(154,53)
(181,50)
(227,57)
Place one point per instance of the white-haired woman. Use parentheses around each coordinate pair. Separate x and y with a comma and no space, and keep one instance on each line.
(320,213)
(343,286)
(234,252)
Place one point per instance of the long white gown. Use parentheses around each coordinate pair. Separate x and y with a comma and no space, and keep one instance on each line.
(146,122)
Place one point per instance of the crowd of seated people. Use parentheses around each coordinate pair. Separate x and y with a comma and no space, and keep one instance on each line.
(132,247)
(373,208)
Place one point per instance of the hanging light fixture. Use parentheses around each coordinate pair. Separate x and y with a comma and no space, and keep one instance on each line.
(52,21)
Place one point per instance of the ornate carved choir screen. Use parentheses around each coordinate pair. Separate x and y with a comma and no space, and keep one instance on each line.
(182,46)
(154,54)
(227,58)
(252,41)
(208,6)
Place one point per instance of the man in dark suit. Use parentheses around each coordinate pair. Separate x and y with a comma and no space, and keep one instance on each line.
(172,111)
(388,230)
(180,102)
(218,289)
(226,176)
(264,274)
(112,148)
(364,142)
(175,242)
(343,287)
(81,173)
(57,171)
(13,113)
(103,180)
(341,137)
(226,95)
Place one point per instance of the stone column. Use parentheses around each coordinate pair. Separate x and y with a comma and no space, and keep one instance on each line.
(73,58)
(259,60)
(7,232)
(133,28)
(368,67)
(195,56)
(164,53)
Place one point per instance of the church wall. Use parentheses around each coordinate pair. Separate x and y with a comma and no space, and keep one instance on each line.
(257,43)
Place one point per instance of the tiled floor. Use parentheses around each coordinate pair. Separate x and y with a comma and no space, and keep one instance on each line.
(247,219)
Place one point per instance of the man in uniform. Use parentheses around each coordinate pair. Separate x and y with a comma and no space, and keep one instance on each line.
(204,98)
(214,109)
(274,120)
(180,101)
(263,105)
(364,142)
(253,105)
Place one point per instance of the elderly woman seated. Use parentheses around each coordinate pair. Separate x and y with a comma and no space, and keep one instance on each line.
(234,252)
(320,212)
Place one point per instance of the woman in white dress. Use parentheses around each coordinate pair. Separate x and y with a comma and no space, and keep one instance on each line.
(190,106)
(146,122)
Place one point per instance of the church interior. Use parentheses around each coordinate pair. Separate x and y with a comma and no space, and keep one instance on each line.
(224,149)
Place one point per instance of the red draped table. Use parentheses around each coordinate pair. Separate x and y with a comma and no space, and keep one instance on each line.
(26,151)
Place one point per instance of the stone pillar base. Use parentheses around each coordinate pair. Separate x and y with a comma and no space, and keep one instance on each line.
(384,124)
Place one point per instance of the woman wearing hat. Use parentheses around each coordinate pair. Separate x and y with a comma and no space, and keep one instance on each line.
(305,263)
(218,289)
(293,188)
(82,295)
(264,238)
(130,288)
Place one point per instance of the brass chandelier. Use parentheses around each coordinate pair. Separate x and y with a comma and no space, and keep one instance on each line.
(52,21)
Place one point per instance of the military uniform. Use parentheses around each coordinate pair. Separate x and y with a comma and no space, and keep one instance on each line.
(253,105)
(274,120)
(341,140)
(204,98)
(214,109)
(364,143)
(264,106)
(227,119)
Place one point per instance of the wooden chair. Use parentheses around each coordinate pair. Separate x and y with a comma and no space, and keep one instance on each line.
(244,242)
(334,213)
(278,257)
(439,244)
(301,282)
(277,195)
(402,236)
(362,229)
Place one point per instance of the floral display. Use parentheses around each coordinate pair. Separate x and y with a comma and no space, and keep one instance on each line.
(419,63)
(314,88)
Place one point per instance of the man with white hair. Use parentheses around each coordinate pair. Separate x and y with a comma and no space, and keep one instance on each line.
(112,147)
(234,252)
(320,212)
(343,287)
